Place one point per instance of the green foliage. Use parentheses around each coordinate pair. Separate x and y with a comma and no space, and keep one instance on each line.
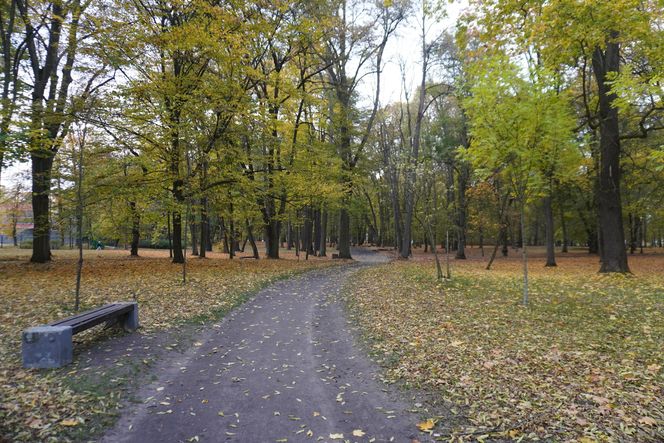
(521,128)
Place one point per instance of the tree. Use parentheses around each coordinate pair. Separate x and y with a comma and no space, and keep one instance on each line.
(12,53)
(350,49)
(589,40)
(54,39)
(521,129)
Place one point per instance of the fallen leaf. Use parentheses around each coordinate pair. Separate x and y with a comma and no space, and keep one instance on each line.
(426,425)
(648,421)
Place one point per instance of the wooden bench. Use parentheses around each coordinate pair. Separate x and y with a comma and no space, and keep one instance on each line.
(50,346)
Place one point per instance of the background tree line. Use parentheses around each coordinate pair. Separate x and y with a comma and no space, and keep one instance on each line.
(211,122)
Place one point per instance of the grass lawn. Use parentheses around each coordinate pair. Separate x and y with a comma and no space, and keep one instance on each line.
(583,362)
(69,403)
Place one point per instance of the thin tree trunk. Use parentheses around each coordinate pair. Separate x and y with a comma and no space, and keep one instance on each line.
(194,233)
(524,255)
(316,237)
(550,242)
(168,227)
(481,240)
(204,227)
(289,236)
(250,235)
(563,225)
(79,220)
(323,234)
(462,210)
(447,254)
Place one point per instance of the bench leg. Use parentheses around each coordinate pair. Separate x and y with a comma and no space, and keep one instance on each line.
(130,322)
(47,347)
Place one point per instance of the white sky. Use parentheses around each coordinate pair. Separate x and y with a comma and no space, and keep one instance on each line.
(403,48)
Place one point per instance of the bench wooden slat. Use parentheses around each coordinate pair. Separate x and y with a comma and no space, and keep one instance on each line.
(81,317)
(88,319)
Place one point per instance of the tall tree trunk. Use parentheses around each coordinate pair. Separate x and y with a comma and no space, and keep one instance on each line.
(317,223)
(252,241)
(548,222)
(323,234)
(481,239)
(563,225)
(170,235)
(204,227)
(344,233)
(42,165)
(632,233)
(224,233)
(614,257)
(289,235)
(524,253)
(178,256)
(205,221)
(135,229)
(462,210)
(272,232)
(307,243)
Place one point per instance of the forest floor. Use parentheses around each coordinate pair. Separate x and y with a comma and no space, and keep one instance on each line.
(80,399)
(583,362)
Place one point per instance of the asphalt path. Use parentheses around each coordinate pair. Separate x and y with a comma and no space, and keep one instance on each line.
(284,367)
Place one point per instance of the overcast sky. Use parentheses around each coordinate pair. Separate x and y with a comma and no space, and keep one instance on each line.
(406,49)
(402,49)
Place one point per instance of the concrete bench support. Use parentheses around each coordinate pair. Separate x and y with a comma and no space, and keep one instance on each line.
(130,323)
(47,346)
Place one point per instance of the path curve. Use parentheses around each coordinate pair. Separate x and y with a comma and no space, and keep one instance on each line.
(283,367)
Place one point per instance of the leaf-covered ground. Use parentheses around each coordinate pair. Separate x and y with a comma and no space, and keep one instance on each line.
(584,362)
(43,405)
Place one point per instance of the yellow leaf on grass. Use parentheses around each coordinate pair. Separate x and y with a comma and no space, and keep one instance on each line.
(426,425)
(358,433)
(648,421)
(69,422)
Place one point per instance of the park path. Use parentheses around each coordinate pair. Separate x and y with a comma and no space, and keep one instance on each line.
(283,367)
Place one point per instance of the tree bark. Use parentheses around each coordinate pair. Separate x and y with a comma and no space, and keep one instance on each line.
(614,256)
(42,164)
(462,210)
(193,228)
(344,233)
(548,223)
(252,241)
(205,227)
(524,254)
(170,235)
(135,229)
(317,226)
(323,234)
(178,256)
(563,225)
(272,232)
